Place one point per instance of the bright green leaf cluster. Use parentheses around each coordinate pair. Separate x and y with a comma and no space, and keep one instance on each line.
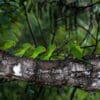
(6,44)
(76,50)
(98,48)
(21,50)
(39,52)
(48,53)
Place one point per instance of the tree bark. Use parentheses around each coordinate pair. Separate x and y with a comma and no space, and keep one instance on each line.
(69,72)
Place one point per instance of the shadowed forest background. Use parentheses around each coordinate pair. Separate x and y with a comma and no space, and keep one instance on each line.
(48,30)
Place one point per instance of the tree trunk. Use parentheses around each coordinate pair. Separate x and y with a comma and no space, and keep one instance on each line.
(69,72)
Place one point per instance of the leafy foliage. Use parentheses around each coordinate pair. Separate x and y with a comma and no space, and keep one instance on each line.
(21,50)
(49,53)
(44,30)
(76,51)
(4,45)
(37,51)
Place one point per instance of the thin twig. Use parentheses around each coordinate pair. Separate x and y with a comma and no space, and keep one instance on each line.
(97,35)
(54,27)
(29,26)
(71,6)
(73,93)
(89,6)
(88,33)
(89,46)
(40,28)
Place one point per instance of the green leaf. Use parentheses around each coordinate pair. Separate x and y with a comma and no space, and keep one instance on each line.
(49,52)
(21,50)
(76,51)
(61,34)
(81,95)
(38,50)
(29,52)
(4,45)
(97,9)
(98,48)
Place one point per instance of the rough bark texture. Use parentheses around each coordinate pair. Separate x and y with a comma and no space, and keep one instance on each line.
(66,72)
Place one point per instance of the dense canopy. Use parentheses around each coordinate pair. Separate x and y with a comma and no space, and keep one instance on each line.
(49,30)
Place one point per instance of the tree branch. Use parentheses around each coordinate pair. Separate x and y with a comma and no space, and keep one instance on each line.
(67,72)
